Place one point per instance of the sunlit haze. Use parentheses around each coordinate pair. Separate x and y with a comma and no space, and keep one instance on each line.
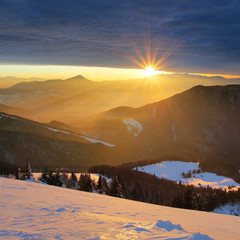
(62,72)
(94,73)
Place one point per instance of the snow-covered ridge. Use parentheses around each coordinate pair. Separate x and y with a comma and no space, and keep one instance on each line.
(133,126)
(7,116)
(172,170)
(86,138)
(93,140)
(38,211)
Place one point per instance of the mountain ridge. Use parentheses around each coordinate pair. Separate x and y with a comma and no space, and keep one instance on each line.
(196,124)
(77,99)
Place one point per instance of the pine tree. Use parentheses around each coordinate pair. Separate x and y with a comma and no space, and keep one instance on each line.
(89,183)
(50,179)
(18,173)
(64,178)
(178,200)
(72,183)
(85,183)
(44,178)
(188,199)
(104,185)
(28,171)
(58,179)
(116,188)
(99,184)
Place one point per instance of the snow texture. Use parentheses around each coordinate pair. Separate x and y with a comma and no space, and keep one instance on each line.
(172,170)
(97,141)
(57,130)
(133,126)
(229,209)
(86,138)
(38,211)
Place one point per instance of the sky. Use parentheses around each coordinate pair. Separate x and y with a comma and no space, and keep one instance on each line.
(200,36)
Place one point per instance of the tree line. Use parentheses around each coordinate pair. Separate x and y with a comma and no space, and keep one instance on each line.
(148,188)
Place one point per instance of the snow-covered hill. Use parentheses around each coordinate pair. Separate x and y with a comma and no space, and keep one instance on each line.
(229,208)
(37,211)
(172,170)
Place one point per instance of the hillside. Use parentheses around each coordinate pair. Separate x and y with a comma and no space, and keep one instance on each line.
(200,123)
(53,130)
(37,211)
(48,147)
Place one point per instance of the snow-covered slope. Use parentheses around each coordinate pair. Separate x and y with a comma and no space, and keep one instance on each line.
(86,138)
(133,126)
(172,170)
(37,211)
(229,209)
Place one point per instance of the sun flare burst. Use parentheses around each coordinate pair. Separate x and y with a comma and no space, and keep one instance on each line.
(150,71)
(151,58)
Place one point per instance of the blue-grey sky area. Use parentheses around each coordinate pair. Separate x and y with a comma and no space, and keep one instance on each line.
(193,36)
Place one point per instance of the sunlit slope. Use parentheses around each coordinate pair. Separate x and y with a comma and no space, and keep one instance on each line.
(18,124)
(200,123)
(12,110)
(74,100)
(48,147)
(31,210)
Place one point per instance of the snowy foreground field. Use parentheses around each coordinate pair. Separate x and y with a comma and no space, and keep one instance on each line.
(38,211)
(172,170)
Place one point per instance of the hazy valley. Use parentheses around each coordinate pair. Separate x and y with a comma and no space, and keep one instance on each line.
(75,100)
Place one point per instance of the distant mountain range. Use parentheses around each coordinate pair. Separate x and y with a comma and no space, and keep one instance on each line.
(75,100)
(201,123)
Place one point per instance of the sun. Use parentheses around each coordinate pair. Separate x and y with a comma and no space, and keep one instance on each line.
(150,71)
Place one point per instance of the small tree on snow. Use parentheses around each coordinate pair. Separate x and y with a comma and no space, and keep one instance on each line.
(72,183)
(57,179)
(85,183)
(102,186)
(116,188)
(28,171)
(99,184)
(18,173)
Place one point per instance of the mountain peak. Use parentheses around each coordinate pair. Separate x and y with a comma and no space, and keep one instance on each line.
(77,78)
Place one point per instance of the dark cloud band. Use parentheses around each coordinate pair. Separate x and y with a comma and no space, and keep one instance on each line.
(199,34)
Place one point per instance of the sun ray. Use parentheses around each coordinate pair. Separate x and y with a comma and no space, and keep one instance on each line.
(151,59)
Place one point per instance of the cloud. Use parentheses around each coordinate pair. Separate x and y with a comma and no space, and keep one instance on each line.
(199,34)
